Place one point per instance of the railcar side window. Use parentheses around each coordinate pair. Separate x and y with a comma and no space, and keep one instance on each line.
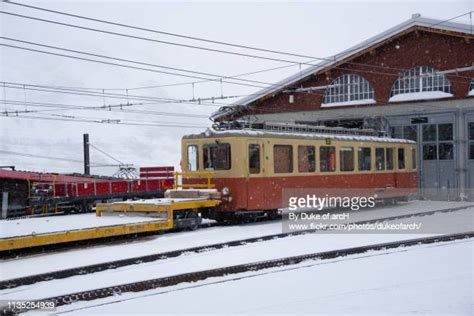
(306,159)
(346,159)
(254,158)
(413,158)
(327,158)
(193,160)
(283,158)
(364,158)
(380,158)
(217,156)
(389,165)
(401,158)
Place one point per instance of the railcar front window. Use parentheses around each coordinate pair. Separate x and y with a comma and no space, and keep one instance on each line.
(327,158)
(346,157)
(401,158)
(283,158)
(217,156)
(254,158)
(364,159)
(193,161)
(306,159)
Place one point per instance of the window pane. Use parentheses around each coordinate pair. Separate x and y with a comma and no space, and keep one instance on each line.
(364,158)
(410,132)
(327,158)
(429,152)
(413,158)
(446,151)
(429,132)
(193,158)
(346,156)
(471,131)
(283,158)
(254,158)
(401,158)
(216,156)
(306,159)
(389,159)
(380,158)
(396,132)
(445,132)
(471,151)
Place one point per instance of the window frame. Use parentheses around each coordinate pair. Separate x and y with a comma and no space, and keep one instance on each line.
(229,156)
(421,79)
(291,157)
(404,159)
(359,151)
(187,157)
(259,158)
(345,148)
(314,165)
(348,88)
(334,150)
(387,149)
(384,157)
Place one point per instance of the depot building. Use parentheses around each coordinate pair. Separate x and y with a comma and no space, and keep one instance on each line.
(413,81)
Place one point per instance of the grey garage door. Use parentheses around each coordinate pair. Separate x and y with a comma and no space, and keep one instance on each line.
(436,158)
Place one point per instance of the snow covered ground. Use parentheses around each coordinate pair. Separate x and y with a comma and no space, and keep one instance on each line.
(290,246)
(434,279)
(14,268)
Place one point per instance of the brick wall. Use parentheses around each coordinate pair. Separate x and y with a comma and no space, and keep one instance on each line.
(382,67)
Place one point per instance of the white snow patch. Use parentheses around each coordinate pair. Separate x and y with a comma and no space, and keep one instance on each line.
(429,279)
(348,103)
(52,224)
(85,256)
(424,95)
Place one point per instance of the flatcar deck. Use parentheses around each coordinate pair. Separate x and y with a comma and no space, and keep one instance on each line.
(134,217)
(27,233)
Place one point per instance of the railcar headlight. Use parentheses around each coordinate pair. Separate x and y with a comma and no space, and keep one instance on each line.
(225,191)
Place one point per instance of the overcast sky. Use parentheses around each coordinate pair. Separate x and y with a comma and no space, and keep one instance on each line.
(313,28)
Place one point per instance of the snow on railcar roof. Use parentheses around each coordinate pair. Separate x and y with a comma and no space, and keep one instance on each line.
(278,134)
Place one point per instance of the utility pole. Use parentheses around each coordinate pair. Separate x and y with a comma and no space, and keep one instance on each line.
(87,168)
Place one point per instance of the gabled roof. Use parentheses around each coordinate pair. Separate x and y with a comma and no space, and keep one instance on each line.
(415,21)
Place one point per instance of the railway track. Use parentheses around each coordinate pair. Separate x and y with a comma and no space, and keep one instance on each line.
(255,266)
(62,274)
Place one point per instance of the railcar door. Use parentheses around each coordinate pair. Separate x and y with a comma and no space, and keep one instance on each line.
(255,175)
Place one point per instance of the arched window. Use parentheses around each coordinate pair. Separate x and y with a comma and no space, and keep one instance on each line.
(348,89)
(471,87)
(421,83)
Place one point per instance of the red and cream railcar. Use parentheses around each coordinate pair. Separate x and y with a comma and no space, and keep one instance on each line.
(252,168)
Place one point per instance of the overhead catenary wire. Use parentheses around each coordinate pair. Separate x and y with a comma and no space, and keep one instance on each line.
(118,108)
(247,47)
(218,79)
(105,153)
(118,65)
(44,88)
(104,121)
(39,156)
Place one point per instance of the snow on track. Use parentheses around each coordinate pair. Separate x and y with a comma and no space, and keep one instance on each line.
(15,268)
(273,249)
(431,279)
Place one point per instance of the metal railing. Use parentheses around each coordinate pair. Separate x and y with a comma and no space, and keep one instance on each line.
(207,175)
